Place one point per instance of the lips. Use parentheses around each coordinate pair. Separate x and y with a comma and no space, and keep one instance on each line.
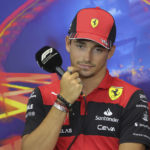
(85,66)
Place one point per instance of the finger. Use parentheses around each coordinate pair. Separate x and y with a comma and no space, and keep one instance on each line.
(69,71)
(71,75)
(74,75)
(72,69)
(79,80)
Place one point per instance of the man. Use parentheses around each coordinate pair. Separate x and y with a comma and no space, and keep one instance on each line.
(88,109)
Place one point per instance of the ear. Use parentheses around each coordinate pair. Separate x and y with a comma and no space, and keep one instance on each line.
(67,44)
(111,51)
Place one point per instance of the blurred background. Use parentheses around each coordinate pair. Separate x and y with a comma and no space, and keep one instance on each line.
(28,25)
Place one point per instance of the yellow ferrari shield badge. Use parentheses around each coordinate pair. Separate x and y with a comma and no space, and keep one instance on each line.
(94,22)
(115,92)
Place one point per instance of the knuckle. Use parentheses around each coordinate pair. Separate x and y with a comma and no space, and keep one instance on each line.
(77,74)
(64,75)
(78,85)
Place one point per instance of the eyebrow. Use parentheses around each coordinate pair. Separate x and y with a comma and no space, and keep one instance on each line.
(82,41)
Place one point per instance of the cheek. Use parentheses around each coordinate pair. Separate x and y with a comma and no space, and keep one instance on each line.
(74,58)
(101,60)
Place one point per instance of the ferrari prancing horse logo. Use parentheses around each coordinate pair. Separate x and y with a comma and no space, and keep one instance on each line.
(94,22)
(115,92)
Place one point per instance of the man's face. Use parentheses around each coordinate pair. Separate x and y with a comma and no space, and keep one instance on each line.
(88,56)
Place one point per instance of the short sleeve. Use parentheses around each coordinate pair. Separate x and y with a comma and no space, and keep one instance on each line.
(135,123)
(35,112)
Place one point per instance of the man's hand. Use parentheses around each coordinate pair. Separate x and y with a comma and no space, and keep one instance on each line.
(70,85)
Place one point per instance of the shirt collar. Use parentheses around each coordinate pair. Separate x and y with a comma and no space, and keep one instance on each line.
(106,82)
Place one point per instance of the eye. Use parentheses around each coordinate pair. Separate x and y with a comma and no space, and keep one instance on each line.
(80,45)
(98,50)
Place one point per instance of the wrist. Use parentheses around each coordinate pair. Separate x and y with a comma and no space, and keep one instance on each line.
(58,105)
(64,101)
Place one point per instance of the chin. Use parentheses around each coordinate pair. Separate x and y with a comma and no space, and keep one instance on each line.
(86,74)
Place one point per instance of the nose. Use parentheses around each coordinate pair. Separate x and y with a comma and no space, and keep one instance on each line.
(87,55)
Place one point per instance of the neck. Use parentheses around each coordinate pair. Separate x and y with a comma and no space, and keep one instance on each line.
(89,84)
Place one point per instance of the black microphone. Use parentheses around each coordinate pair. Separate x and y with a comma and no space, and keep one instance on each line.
(49,60)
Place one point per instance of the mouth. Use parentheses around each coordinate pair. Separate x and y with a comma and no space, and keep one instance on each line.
(85,66)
